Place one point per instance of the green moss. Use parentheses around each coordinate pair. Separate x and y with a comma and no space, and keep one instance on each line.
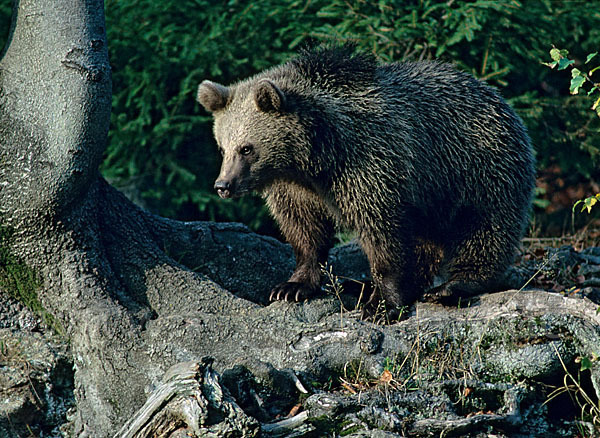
(323,424)
(22,283)
(326,426)
(348,428)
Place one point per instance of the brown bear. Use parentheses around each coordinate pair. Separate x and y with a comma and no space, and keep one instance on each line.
(429,166)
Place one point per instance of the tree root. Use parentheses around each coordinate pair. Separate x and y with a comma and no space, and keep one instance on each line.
(190,402)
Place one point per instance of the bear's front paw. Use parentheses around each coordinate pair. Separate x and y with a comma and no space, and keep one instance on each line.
(292,291)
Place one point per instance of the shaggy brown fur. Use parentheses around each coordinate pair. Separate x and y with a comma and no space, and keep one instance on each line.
(430,167)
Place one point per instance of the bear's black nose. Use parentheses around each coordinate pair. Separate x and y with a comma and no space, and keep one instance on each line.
(223,189)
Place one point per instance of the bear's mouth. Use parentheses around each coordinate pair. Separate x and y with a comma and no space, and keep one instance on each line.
(231,191)
(224,193)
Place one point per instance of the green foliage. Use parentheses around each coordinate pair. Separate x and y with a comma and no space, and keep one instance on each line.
(160,146)
(160,143)
(578,78)
(587,203)
(579,394)
(561,60)
(538,201)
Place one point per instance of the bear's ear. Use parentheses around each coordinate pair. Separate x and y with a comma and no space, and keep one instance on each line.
(212,96)
(268,97)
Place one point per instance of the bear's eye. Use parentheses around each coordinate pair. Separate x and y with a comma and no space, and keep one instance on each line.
(245,150)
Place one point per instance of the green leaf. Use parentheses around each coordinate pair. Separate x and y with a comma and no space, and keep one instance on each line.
(586,364)
(564,63)
(588,203)
(590,56)
(541,203)
(558,54)
(577,81)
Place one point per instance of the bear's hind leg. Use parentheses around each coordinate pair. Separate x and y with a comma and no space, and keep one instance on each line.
(475,264)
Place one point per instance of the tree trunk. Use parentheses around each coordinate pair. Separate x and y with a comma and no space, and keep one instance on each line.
(136,293)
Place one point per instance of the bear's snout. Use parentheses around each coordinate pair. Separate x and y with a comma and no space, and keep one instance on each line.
(223,189)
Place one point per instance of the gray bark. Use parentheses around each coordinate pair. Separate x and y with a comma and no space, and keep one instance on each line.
(138,294)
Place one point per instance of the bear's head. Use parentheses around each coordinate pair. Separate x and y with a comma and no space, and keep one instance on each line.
(260,134)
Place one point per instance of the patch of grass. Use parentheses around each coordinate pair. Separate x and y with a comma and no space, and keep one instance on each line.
(355,378)
(334,285)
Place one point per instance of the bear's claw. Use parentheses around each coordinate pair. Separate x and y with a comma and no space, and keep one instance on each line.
(291,291)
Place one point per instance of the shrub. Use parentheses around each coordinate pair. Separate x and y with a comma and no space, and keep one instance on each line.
(580,81)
